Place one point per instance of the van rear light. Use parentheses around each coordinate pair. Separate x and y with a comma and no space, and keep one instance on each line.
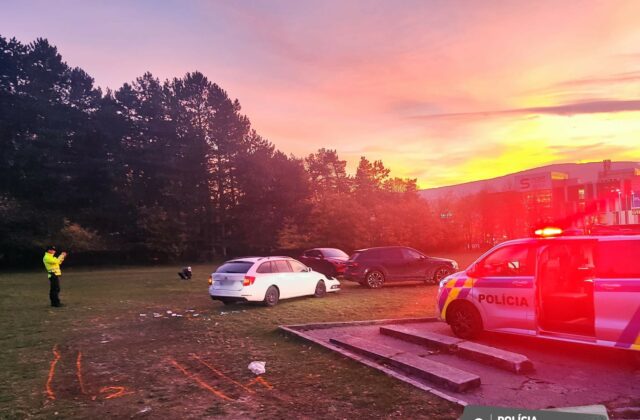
(248,280)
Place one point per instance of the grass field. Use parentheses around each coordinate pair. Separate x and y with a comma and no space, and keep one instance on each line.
(107,355)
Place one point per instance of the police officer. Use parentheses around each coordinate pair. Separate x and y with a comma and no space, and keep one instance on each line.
(52,265)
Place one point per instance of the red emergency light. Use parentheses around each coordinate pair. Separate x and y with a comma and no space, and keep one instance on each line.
(548,231)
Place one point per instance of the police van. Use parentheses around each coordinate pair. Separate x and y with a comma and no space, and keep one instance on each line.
(573,288)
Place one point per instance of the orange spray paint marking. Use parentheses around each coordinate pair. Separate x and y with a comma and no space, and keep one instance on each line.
(117,391)
(262,381)
(220,374)
(52,370)
(79,372)
(200,382)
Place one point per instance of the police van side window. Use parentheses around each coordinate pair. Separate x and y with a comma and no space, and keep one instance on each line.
(618,259)
(509,261)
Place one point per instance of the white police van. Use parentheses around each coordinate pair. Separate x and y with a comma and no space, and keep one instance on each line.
(573,288)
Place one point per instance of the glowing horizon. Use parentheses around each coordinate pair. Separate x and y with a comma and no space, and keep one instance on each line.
(445,92)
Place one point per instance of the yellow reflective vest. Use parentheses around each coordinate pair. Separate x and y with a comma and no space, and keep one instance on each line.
(52,264)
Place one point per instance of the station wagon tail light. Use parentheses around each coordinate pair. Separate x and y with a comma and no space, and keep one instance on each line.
(248,280)
(548,231)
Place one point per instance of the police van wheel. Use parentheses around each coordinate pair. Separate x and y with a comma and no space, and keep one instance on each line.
(465,321)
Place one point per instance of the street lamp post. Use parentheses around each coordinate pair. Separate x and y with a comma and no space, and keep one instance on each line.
(619,212)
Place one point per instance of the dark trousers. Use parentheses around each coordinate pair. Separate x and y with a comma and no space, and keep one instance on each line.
(54,289)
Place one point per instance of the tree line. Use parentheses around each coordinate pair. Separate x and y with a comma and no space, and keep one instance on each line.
(173,171)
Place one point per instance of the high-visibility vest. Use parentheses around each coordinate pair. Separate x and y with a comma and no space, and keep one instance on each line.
(52,264)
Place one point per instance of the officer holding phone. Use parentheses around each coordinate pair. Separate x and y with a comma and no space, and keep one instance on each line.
(52,265)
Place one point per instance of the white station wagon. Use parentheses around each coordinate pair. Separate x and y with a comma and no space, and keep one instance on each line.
(267,280)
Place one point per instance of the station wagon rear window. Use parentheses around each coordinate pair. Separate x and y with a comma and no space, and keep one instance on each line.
(235,267)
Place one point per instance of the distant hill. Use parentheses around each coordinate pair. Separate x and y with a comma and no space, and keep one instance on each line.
(585,172)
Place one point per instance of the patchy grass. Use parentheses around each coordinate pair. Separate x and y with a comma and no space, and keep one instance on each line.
(115,362)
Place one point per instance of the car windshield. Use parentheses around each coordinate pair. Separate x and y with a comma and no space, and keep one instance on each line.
(235,267)
(334,253)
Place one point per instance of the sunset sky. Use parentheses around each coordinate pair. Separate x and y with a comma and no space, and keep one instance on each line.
(442,91)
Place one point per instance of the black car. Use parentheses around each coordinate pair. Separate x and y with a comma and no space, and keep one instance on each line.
(373,267)
(328,261)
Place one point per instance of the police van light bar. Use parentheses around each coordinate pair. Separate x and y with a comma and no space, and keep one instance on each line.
(548,231)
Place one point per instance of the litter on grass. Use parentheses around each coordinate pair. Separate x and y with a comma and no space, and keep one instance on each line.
(257,368)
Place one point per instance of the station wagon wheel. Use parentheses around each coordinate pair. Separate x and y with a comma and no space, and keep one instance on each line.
(465,321)
(375,279)
(440,273)
(271,296)
(321,289)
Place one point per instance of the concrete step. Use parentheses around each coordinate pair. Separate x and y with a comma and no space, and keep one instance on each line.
(513,362)
(438,373)
(441,342)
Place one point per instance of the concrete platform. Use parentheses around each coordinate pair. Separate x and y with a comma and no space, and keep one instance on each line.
(441,342)
(435,372)
(513,362)
(503,359)
(565,374)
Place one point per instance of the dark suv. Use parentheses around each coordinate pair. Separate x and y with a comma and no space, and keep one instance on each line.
(373,267)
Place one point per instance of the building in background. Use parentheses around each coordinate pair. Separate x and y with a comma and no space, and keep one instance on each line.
(582,196)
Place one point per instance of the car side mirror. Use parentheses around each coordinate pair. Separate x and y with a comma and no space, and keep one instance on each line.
(307,269)
(473,271)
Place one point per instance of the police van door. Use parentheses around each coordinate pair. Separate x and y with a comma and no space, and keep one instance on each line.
(503,288)
(617,292)
(564,288)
